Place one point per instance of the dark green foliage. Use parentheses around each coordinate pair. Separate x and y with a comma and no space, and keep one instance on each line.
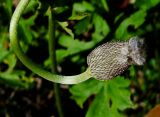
(80,27)
(110,96)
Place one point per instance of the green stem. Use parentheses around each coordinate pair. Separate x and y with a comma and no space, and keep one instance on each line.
(51,41)
(52,55)
(28,63)
(58,100)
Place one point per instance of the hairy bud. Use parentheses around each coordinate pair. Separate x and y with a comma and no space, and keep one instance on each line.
(113,58)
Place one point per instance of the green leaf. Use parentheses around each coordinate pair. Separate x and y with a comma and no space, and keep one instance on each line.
(25,32)
(59,10)
(118,17)
(11,61)
(4,52)
(82,7)
(80,10)
(61,54)
(3,55)
(100,107)
(79,16)
(110,96)
(118,93)
(9,7)
(88,6)
(82,26)
(74,46)
(32,6)
(135,20)
(16,80)
(101,28)
(6,56)
(105,5)
(90,87)
(64,26)
(146,4)
(11,78)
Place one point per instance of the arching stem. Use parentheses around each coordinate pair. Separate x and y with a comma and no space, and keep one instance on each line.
(28,63)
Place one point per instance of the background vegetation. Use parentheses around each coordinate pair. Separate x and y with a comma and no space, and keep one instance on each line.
(80,26)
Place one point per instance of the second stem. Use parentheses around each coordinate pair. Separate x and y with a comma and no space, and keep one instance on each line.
(52,56)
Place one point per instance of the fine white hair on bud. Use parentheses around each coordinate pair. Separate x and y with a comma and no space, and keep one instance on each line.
(113,58)
(137,50)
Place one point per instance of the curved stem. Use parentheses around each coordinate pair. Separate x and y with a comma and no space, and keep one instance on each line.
(28,63)
(52,56)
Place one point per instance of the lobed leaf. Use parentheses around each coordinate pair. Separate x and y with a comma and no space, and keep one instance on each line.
(82,91)
(135,20)
(146,4)
(16,79)
(101,28)
(72,46)
(111,96)
(64,26)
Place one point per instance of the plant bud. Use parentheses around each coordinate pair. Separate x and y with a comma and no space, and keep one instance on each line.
(113,58)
